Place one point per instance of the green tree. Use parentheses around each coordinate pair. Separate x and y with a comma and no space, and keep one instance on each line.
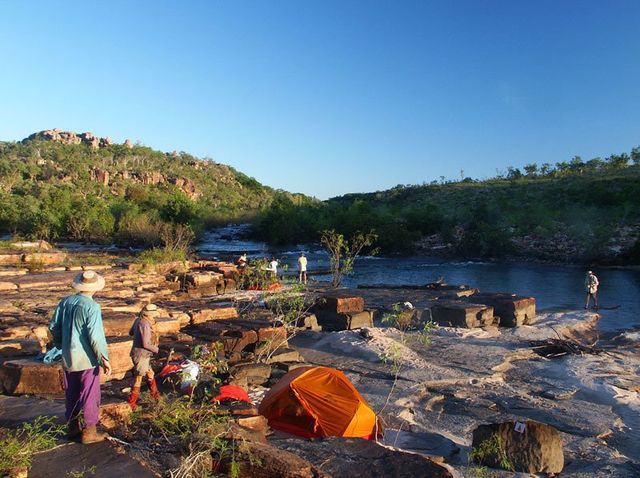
(617,161)
(179,209)
(343,253)
(531,169)
(635,155)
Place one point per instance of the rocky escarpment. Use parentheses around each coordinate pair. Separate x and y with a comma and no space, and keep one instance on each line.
(187,186)
(69,137)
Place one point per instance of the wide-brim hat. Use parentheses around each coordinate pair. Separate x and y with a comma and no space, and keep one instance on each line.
(150,310)
(88,281)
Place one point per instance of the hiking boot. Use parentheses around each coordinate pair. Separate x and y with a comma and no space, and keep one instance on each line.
(73,429)
(153,388)
(92,435)
(133,397)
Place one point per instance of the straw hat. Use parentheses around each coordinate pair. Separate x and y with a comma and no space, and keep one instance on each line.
(150,310)
(88,281)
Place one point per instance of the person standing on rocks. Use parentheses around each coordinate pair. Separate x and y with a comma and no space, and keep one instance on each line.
(242,262)
(302,268)
(76,327)
(273,267)
(591,284)
(145,345)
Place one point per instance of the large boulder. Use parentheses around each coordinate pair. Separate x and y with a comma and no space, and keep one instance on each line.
(528,446)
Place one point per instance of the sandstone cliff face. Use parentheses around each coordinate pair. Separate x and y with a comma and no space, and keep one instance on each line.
(187,186)
(69,137)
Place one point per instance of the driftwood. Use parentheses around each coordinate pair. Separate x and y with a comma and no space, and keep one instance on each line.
(552,348)
(429,286)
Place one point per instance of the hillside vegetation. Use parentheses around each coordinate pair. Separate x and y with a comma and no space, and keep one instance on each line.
(98,191)
(573,211)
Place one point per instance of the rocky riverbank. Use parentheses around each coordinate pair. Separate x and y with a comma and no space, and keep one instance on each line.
(431,388)
(561,247)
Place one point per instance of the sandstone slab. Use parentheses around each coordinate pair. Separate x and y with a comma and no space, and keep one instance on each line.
(205,315)
(512,309)
(252,373)
(73,459)
(16,348)
(332,321)
(462,314)
(341,304)
(31,376)
(358,458)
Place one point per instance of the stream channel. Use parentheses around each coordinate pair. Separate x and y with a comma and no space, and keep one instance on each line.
(555,287)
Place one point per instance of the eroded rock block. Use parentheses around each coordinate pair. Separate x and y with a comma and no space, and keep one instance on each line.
(29,332)
(31,376)
(228,271)
(336,321)
(199,279)
(512,309)
(119,350)
(8,286)
(117,324)
(253,373)
(17,348)
(285,355)
(182,317)
(341,305)
(531,447)
(205,315)
(308,322)
(113,415)
(168,325)
(462,314)
(10,259)
(44,257)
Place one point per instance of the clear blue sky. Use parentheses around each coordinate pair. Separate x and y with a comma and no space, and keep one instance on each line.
(330,97)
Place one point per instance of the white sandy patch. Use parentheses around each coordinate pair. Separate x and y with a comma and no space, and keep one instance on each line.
(488,333)
(381,345)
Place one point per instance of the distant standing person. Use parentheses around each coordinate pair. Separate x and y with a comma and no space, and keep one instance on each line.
(273,267)
(591,283)
(76,327)
(242,261)
(145,344)
(302,268)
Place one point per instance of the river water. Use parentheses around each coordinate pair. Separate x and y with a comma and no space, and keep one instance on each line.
(558,287)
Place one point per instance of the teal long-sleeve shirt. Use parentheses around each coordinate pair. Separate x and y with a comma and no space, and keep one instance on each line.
(76,327)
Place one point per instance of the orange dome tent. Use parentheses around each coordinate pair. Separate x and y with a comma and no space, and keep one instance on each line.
(317,402)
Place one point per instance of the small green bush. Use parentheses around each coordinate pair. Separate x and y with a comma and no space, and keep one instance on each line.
(18,446)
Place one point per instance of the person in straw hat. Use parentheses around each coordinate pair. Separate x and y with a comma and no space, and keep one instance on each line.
(76,327)
(145,345)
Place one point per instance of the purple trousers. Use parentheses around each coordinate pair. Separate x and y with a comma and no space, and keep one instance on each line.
(82,393)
